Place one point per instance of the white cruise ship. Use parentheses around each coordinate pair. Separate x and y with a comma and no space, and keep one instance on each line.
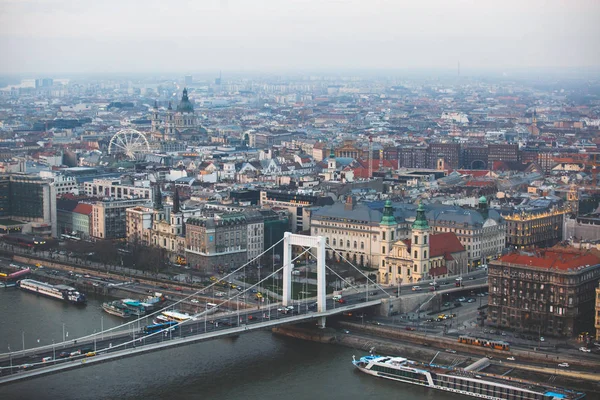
(460,381)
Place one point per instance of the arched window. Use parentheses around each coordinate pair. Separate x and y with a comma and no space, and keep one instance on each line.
(383,249)
(425,239)
(415,254)
(425,254)
(416,239)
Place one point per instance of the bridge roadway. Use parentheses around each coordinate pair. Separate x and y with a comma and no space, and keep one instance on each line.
(201,329)
(27,364)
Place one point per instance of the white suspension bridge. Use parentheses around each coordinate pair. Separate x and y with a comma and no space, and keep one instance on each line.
(126,341)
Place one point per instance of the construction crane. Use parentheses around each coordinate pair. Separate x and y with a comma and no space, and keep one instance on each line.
(594,163)
(370,161)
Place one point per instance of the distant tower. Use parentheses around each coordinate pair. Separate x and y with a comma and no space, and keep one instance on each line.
(155,118)
(441,163)
(533,128)
(483,207)
(157,198)
(573,199)
(176,202)
(331,163)
(169,124)
(420,244)
(218,80)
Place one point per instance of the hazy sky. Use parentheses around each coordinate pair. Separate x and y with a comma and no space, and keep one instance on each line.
(205,35)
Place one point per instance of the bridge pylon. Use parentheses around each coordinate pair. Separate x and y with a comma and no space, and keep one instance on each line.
(316,242)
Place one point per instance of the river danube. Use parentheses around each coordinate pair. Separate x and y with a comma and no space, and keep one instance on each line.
(254,366)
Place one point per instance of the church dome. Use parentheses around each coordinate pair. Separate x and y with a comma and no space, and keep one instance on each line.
(185,105)
(482,199)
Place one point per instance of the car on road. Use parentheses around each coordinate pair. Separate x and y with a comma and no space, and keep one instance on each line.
(462,299)
(46,359)
(410,328)
(341,301)
(585,350)
(564,365)
(64,354)
(346,331)
(416,288)
(446,304)
(471,300)
(450,351)
(510,358)
(471,278)
(195,301)
(542,339)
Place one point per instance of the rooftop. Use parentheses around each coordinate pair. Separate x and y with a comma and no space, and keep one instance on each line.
(555,258)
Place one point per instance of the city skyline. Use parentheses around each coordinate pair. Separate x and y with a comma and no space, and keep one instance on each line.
(55,36)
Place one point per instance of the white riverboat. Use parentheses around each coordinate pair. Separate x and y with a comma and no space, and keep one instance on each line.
(460,381)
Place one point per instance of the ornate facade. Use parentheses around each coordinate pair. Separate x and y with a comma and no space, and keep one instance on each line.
(423,256)
(175,123)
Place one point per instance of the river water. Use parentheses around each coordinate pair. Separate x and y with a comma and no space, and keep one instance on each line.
(253,366)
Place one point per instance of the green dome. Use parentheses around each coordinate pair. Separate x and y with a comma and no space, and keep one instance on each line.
(421,220)
(482,199)
(388,214)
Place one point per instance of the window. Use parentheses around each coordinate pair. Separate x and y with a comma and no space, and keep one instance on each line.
(425,239)
(425,254)
(415,254)
(383,235)
(416,239)
(383,249)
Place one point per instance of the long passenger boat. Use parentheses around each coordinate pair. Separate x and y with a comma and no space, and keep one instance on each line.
(60,292)
(460,381)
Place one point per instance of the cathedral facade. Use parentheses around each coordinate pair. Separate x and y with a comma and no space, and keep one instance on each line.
(175,124)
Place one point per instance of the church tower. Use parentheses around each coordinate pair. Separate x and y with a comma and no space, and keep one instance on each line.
(155,118)
(331,163)
(169,124)
(420,244)
(387,228)
(176,215)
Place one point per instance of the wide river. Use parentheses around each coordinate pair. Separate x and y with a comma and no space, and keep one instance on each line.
(254,366)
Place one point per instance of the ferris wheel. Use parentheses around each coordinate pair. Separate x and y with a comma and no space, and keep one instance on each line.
(129,142)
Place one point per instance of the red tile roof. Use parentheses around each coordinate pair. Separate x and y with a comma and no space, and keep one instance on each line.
(82,208)
(563,259)
(442,244)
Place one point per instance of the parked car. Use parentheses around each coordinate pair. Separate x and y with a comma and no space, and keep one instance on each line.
(462,299)
(510,358)
(564,365)
(585,350)
(471,300)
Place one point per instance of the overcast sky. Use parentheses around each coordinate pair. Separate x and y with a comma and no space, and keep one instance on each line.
(55,36)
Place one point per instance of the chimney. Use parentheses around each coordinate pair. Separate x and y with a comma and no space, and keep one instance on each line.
(350,202)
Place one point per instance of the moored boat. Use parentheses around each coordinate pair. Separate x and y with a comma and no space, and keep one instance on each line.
(60,292)
(460,381)
(117,309)
(167,316)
